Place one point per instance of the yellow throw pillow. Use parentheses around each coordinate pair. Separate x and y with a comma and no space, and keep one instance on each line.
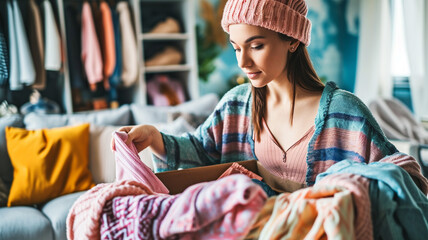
(48,163)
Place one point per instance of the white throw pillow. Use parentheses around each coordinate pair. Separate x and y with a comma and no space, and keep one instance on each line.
(118,117)
(101,158)
(145,114)
(102,161)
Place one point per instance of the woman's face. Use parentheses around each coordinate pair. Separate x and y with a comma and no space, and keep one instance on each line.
(261,54)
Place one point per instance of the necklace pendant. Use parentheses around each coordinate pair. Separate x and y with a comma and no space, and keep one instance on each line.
(284,158)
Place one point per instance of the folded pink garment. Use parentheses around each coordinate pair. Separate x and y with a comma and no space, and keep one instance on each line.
(237,168)
(130,167)
(221,209)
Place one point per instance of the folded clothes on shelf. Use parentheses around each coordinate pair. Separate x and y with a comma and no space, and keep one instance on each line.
(168,56)
(169,25)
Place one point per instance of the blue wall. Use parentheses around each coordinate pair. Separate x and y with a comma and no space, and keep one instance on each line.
(334,44)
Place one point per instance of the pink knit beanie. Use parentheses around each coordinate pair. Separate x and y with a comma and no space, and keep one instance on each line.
(284,16)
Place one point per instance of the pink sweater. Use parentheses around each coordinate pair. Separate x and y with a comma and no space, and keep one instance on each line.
(130,167)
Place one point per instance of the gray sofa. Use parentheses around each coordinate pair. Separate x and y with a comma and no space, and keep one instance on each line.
(48,220)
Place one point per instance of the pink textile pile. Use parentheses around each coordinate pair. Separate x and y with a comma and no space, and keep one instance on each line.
(83,220)
(134,217)
(130,167)
(359,188)
(221,209)
(136,206)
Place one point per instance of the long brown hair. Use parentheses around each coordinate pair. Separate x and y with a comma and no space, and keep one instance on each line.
(302,73)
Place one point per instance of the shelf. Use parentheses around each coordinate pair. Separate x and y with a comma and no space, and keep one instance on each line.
(163,36)
(150,44)
(167,68)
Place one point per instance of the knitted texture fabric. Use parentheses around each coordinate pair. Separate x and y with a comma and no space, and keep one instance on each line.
(284,16)
(221,209)
(83,220)
(135,217)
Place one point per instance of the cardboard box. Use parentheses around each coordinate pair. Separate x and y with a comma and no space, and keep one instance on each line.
(178,180)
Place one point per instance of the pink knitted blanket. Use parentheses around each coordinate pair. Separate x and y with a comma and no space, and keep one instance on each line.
(134,217)
(83,220)
(221,209)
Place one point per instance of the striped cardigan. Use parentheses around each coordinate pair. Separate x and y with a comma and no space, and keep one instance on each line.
(344,129)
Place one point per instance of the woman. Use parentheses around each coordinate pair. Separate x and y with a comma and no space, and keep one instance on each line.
(286,118)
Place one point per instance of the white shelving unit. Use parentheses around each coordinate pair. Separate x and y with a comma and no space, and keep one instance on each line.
(187,71)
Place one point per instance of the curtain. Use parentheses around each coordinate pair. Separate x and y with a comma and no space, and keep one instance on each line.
(373,78)
(415,14)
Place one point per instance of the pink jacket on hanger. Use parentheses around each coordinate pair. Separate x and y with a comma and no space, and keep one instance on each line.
(91,53)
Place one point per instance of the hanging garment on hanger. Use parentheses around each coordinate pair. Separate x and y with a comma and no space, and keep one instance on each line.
(91,53)
(108,40)
(52,39)
(4,59)
(35,36)
(99,28)
(72,27)
(129,45)
(14,83)
(114,79)
(27,73)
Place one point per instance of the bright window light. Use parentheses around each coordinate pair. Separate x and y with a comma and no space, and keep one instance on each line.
(399,59)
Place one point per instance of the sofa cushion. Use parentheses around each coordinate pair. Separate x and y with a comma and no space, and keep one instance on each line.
(4,193)
(119,117)
(203,106)
(56,211)
(102,161)
(6,169)
(48,163)
(101,158)
(24,223)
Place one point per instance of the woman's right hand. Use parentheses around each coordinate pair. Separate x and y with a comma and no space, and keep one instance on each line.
(143,136)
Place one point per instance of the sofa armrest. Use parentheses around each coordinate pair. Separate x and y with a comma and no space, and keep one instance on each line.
(420,153)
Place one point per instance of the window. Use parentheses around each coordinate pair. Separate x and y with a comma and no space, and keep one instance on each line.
(399,59)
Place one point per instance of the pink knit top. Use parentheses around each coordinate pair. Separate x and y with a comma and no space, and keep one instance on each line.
(289,164)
